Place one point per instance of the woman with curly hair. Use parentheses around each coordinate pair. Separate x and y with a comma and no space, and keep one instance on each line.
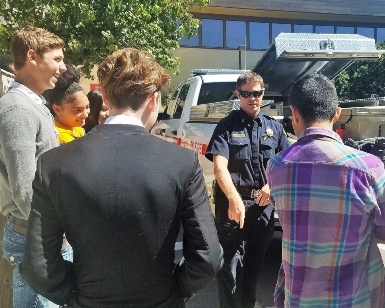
(69,105)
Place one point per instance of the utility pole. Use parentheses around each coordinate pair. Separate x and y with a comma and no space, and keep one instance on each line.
(240,47)
(245,51)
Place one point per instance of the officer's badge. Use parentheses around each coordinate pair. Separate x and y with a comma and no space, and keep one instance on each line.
(269,133)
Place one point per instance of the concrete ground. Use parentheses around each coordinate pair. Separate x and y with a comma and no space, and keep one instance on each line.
(209,296)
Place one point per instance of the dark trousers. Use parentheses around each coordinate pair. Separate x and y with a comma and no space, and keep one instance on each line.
(244,254)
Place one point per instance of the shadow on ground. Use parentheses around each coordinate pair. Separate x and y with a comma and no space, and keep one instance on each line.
(209,296)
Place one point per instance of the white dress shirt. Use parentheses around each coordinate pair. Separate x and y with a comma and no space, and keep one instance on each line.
(123,119)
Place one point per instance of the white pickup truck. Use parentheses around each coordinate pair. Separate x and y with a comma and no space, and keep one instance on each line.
(199,102)
(176,123)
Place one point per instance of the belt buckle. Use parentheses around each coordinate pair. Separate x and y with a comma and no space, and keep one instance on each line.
(254,193)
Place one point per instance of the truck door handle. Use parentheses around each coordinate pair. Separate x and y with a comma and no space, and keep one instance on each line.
(174,132)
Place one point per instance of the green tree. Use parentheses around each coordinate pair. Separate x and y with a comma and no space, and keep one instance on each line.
(94,28)
(362,78)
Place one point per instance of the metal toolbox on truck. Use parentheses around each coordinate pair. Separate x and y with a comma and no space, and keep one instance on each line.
(360,123)
(294,55)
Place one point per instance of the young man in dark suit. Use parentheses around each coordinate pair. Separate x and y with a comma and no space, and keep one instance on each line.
(120,209)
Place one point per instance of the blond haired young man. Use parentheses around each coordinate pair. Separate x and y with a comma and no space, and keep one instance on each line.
(27,131)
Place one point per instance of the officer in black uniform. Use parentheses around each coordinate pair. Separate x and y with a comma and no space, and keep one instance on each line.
(240,147)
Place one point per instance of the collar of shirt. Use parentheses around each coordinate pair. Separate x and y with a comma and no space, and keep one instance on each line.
(246,117)
(320,132)
(123,119)
(33,96)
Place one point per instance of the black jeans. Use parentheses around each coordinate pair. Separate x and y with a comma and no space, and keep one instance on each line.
(244,255)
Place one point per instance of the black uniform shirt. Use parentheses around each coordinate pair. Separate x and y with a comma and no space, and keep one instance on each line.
(247,144)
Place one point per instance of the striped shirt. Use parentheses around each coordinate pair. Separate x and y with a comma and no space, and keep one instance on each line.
(330,199)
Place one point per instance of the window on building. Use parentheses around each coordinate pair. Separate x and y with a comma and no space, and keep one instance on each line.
(259,35)
(380,35)
(324,29)
(345,30)
(279,28)
(368,32)
(303,28)
(235,33)
(194,41)
(212,33)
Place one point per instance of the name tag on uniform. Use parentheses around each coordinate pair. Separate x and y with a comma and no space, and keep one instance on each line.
(239,135)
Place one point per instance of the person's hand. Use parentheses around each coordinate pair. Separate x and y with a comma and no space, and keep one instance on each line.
(263,197)
(237,210)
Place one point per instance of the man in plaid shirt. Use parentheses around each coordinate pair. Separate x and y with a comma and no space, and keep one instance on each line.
(330,199)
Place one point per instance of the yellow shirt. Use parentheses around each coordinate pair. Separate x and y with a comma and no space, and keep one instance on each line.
(67,135)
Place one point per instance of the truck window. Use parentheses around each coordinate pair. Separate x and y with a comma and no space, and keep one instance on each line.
(169,110)
(180,101)
(216,92)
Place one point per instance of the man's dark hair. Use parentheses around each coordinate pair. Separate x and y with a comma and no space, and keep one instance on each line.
(5,62)
(315,98)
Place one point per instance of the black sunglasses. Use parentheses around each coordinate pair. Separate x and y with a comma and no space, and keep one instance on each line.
(247,94)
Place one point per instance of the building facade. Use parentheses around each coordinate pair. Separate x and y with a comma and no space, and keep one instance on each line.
(234,34)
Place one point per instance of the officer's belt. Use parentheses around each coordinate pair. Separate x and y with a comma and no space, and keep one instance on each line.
(248,193)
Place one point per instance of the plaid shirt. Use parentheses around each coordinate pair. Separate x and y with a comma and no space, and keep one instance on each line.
(330,199)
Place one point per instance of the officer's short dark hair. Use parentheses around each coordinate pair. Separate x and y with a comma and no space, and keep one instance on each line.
(248,77)
(315,98)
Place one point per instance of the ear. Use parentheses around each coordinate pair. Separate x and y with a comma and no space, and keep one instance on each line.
(237,92)
(56,108)
(152,104)
(295,114)
(158,102)
(31,56)
(337,115)
(104,98)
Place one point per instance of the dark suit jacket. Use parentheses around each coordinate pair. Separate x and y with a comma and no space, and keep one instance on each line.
(120,195)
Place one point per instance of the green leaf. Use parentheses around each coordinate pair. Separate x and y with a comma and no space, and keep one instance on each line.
(362,78)
(93,29)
